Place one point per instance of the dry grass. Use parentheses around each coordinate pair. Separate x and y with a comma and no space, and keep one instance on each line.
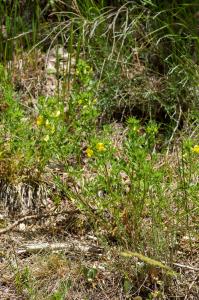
(72,274)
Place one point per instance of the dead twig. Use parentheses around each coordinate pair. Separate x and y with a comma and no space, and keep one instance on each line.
(36,217)
(186,267)
(71,246)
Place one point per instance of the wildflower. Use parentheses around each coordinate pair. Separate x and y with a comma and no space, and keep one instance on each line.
(195,149)
(89,152)
(39,120)
(100,147)
(46,138)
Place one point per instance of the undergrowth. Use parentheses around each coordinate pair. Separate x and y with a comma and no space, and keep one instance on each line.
(136,63)
(133,187)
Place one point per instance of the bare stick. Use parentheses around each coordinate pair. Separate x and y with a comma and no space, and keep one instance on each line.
(186,267)
(70,246)
(35,217)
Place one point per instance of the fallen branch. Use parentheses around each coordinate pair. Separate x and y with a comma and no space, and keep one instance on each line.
(71,246)
(186,267)
(36,217)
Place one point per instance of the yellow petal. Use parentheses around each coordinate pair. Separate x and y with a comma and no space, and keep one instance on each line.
(195,149)
(100,147)
(89,152)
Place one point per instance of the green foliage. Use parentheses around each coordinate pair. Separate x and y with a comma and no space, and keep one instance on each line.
(89,273)
(145,54)
(127,183)
(62,290)
(24,282)
(136,62)
(31,141)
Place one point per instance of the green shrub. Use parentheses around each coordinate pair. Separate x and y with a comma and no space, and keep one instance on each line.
(29,140)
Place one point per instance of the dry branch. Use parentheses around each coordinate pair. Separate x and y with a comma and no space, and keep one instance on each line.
(36,217)
(71,246)
(186,267)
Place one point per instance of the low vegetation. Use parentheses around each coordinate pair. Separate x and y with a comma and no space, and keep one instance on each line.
(102,123)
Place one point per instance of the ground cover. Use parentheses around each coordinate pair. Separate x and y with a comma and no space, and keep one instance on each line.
(99,157)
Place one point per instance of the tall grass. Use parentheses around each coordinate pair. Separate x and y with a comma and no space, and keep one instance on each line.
(21,24)
(150,47)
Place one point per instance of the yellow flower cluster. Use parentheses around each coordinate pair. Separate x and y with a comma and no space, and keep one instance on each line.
(100,148)
(89,152)
(40,120)
(195,149)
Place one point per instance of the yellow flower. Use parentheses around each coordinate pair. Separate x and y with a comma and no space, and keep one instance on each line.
(100,147)
(89,152)
(39,120)
(46,138)
(195,149)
